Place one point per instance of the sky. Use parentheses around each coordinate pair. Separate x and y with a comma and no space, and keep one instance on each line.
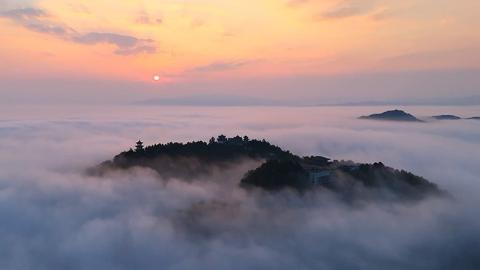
(296,50)
(296,53)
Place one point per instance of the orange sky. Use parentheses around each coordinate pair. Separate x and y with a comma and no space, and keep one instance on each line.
(239,38)
(223,44)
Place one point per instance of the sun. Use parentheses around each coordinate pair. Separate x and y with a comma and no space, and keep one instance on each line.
(156,78)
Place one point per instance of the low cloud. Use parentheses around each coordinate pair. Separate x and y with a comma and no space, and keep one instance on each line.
(40,21)
(54,216)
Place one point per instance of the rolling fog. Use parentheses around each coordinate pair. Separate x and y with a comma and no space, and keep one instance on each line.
(53,216)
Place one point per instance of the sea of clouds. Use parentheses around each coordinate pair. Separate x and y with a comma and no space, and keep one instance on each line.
(54,216)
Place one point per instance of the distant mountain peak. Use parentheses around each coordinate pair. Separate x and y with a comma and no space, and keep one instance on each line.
(392,115)
(446,117)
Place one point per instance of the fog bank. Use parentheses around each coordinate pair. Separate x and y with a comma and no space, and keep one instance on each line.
(54,216)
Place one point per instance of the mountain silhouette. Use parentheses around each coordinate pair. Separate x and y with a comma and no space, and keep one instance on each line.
(446,117)
(393,115)
(279,169)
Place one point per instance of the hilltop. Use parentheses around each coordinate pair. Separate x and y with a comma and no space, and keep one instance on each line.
(393,115)
(188,160)
(345,178)
(279,169)
(446,117)
(402,116)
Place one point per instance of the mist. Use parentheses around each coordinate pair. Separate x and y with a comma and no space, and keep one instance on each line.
(55,216)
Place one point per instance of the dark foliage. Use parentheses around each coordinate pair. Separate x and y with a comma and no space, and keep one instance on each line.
(276,175)
(377,176)
(280,170)
(351,181)
(316,161)
(195,158)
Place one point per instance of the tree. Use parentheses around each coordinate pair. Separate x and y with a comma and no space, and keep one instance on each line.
(236,140)
(212,140)
(139,146)
(222,139)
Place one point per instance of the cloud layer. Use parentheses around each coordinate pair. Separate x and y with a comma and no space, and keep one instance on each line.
(54,216)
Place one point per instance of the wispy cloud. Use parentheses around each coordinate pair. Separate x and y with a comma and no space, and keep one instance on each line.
(145,18)
(347,9)
(36,20)
(382,14)
(197,22)
(296,2)
(40,21)
(79,8)
(125,44)
(342,12)
(220,66)
(23,13)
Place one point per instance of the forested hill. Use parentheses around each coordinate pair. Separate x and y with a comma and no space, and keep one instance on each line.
(276,169)
(350,180)
(194,158)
